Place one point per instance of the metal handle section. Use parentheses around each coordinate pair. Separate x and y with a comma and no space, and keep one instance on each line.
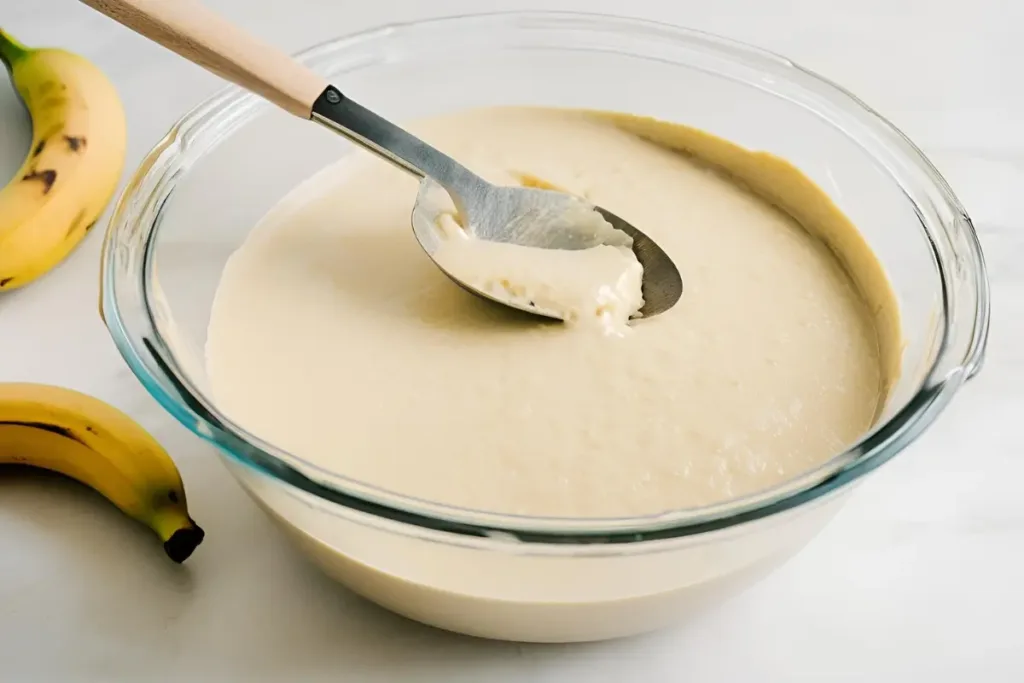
(362,126)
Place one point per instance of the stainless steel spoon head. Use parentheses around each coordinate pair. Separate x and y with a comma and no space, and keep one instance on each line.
(526,216)
(662,284)
(544,219)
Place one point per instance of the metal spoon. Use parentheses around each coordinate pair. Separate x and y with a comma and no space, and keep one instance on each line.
(502,214)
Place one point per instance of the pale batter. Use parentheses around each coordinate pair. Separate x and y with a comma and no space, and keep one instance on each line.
(600,287)
(334,337)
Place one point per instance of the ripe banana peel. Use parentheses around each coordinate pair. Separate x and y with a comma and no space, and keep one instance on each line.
(73,166)
(91,441)
(62,188)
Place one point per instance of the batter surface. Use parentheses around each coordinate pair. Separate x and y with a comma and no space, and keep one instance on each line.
(334,337)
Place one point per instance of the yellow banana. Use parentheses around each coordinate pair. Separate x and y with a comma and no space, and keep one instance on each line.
(84,438)
(74,163)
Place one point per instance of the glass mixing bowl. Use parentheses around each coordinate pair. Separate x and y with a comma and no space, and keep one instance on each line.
(201,190)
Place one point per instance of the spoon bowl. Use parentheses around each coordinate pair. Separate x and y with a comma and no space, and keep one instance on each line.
(546,219)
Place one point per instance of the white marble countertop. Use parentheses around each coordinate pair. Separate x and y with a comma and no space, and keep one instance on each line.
(918,578)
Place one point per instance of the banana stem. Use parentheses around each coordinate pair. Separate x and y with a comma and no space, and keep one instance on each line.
(11,50)
(178,531)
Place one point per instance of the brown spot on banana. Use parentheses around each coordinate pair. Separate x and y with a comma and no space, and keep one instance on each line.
(39,148)
(53,102)
(47,178)
(161,496)
(46,427)
(4,281)
(76,143)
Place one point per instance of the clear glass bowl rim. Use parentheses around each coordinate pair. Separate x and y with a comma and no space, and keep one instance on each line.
(176,393)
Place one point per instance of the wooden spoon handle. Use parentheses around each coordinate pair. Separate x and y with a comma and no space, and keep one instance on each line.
(214,43)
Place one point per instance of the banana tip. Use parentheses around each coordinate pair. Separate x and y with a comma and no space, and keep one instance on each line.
(183,541)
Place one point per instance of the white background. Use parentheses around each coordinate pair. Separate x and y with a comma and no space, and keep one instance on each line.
(919,578)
